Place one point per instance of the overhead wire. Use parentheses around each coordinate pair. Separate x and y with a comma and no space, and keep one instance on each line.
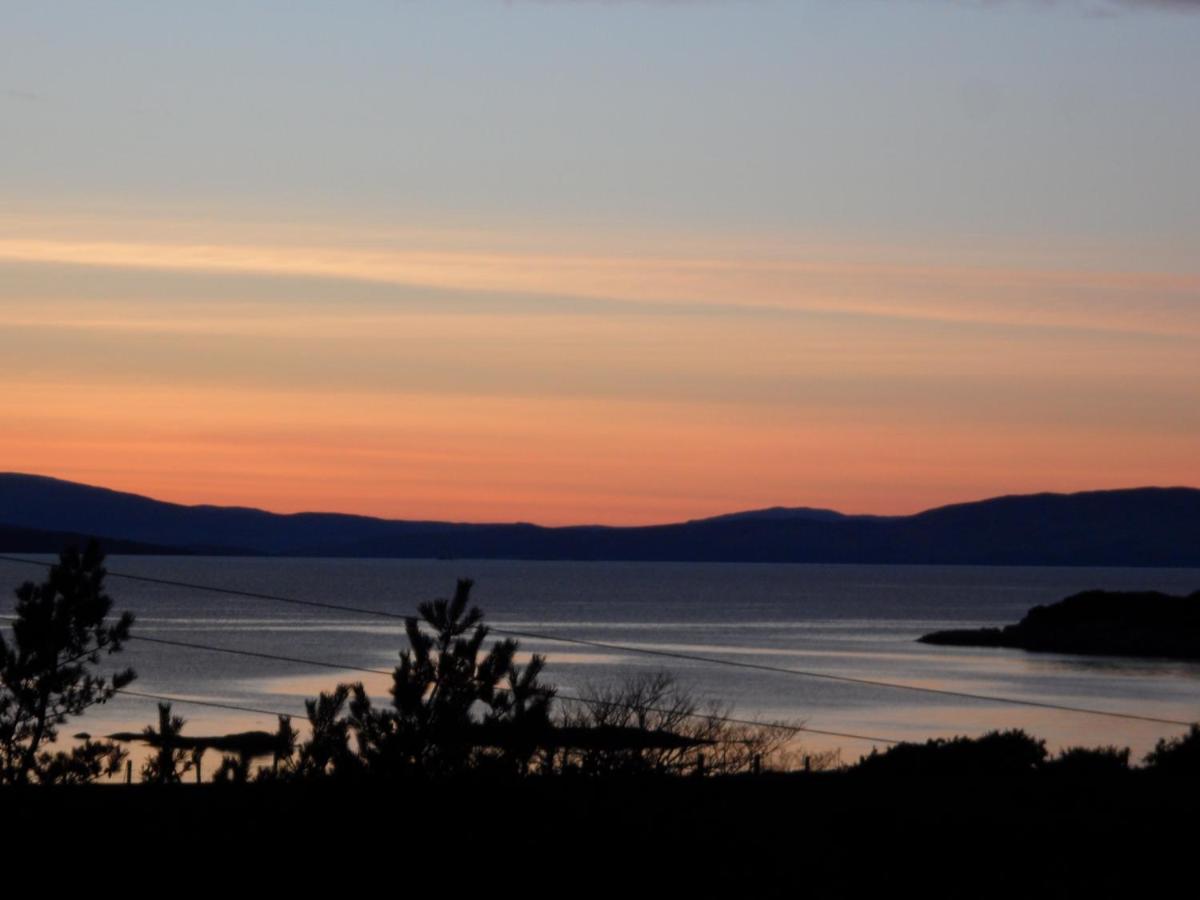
(630,648)
(571,698)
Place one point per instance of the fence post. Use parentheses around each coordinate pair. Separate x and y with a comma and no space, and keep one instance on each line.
(699,763)
(756,764)
(129,771)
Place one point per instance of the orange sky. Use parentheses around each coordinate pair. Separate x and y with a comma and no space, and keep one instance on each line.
(437,374)
(600,262)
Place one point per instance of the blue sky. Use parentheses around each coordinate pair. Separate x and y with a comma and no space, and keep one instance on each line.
(860,118)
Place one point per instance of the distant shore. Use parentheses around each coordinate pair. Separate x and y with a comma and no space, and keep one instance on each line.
(1098,623)
(1141,527)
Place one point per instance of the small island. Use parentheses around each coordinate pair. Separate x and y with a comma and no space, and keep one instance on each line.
(1103,623)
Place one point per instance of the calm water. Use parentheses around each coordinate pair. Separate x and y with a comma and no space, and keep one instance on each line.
(860,621)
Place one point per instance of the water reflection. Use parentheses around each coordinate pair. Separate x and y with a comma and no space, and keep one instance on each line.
(844,620)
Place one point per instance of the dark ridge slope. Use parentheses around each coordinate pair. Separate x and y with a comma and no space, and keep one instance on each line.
(28,540)
(1135,527)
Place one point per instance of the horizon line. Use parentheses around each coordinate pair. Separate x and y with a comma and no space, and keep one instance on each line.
(717,515)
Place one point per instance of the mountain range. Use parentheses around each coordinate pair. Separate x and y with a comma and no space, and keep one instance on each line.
(1149,526)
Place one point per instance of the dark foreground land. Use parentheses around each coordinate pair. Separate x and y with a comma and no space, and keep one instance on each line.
(1106,623)
(820,835)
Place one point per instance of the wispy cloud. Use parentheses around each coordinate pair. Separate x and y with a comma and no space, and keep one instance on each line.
(1136,302)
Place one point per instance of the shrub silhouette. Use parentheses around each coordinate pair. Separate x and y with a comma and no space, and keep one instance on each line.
(234,769)
(1088,761)
(82,764)
(655,703)
(47,672)
(1176,756)
(283,751)
(456,709)
(996,753)
(170,760)
(449,711)
(327,750)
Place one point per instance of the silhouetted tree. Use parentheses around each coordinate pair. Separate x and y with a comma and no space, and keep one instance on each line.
(456,708)
(234,769)
(1088,761)
(519,716)
(170,761)
(656,704)
(1010,752)
(452,709)
(47,672)
(1176,756)
(328,751)
(82,764)
(283,751)
(453,706)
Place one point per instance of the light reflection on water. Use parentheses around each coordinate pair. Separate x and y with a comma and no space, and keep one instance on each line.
(856,621)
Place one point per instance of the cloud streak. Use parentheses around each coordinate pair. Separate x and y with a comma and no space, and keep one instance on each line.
(220,379)
(1151,303)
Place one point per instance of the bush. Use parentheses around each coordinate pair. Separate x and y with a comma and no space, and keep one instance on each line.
(454,708)
(1176,756)
(457,709)
(996,753)
(1089,761)
(170,760)
(654,703)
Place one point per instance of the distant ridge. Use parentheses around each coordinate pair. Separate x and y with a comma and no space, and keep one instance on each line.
(1135,527)
(784,513)
(29,540)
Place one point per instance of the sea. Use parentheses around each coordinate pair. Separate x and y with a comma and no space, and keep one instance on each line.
(848,621)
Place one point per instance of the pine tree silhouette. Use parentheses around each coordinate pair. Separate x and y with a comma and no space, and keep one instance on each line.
(450,707)
(171,761)
(327,751)
(46,672)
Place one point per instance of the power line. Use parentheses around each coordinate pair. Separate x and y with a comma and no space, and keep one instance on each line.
(274,712)
(848,679)
(258,655)
(624,648)
(213,703)
(587,701)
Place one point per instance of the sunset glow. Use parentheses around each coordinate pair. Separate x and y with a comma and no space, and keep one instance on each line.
(311,325)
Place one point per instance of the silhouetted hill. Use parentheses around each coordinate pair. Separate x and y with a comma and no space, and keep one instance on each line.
(1110,623)
(29,540)
(783,514)
(1136,527)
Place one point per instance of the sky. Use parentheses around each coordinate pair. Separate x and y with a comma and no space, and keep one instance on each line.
(613,261)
